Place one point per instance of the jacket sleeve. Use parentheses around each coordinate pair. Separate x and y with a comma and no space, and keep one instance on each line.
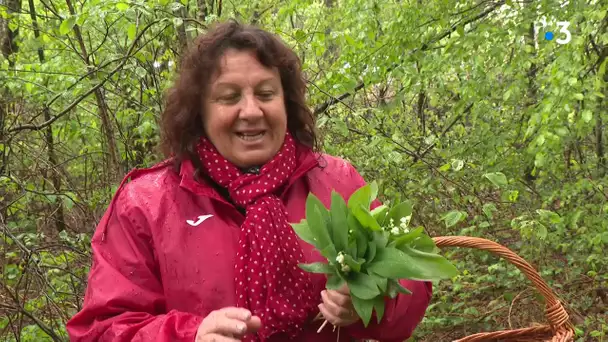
(124,298)
(403,313)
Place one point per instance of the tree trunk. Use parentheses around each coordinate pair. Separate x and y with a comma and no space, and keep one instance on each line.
(8,46)
(115,171)
(182,35)
(602,166)
(530,101)
(8,37)
(203,10)
(56,208)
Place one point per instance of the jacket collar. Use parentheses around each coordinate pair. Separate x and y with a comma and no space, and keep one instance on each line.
(307,160)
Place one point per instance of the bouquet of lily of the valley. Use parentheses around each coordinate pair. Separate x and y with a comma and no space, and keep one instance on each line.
(370,251)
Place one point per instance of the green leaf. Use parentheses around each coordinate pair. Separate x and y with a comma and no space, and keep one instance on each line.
(512,195)
(362,285)
(339,213)
(381,282)
(489,209)
(132,31)
(542,231)
(507,94)
(587,115)
(364,309)
(374,192)
(457,164)
(402,209)
(579,96)
(335,281)
(460,30)
(316,215)
(357,239)
(329,252)
(371,251)
(365,218)
(453,217)
(300,35)
(379,305)
(355,265)
(381,239)
(408,237)
(317,267)
(409,263)
(361,197)
(395,288)
(379,213)
(575,218)
(550,216)
(424,243)
(121,6)
(304,232)
(67,25)
(402,289)
(498,178)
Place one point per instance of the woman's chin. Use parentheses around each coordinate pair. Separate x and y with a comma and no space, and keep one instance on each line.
(252,158)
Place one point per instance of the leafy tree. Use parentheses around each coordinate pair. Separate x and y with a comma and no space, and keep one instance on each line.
(464,107)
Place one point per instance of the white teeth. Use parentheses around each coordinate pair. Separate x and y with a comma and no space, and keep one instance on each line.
(250,137)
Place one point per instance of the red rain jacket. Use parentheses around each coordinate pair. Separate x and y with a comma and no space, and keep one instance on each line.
(164,255)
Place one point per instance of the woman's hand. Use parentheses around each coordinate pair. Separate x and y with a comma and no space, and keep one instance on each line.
(227,325)
(337,307)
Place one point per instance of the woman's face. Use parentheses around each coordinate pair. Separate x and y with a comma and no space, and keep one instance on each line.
(244,112)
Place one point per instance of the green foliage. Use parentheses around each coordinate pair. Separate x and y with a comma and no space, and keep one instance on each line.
(459,106)
(392,252)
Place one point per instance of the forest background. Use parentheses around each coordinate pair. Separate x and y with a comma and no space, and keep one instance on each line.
(464,107)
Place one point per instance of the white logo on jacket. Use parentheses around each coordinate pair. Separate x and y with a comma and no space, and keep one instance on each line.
(200,220)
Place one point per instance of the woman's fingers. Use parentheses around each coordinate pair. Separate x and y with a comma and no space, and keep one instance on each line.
(231,323)
(344,290)
(242,320)
(228,326)
(339,298)
(254,324)
(329,315)
(216,338)
(236,313)
(337,309)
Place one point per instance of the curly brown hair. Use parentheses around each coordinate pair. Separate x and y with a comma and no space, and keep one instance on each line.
(181,121)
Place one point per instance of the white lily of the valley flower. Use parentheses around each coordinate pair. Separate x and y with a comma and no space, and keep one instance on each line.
(340,258)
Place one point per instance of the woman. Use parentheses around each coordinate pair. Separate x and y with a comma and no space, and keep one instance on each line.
(199,248)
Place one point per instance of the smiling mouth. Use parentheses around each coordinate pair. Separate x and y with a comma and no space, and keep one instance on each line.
(251,136)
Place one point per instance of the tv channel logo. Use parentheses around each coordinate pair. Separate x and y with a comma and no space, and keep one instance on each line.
(562,36)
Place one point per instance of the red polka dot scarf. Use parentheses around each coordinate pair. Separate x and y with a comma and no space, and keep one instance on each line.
(268,280)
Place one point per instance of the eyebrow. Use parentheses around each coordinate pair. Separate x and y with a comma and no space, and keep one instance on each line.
(234,85)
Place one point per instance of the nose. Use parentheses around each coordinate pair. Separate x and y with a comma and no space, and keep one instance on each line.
(251,107)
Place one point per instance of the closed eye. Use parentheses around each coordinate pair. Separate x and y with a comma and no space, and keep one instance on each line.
(266,95)
(230,98)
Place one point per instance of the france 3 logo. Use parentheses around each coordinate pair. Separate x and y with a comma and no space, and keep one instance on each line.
(562,36)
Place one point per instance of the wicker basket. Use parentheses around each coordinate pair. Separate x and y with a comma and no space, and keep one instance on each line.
(559,327)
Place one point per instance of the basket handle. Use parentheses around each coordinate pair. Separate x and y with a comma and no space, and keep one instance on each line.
(559,322)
